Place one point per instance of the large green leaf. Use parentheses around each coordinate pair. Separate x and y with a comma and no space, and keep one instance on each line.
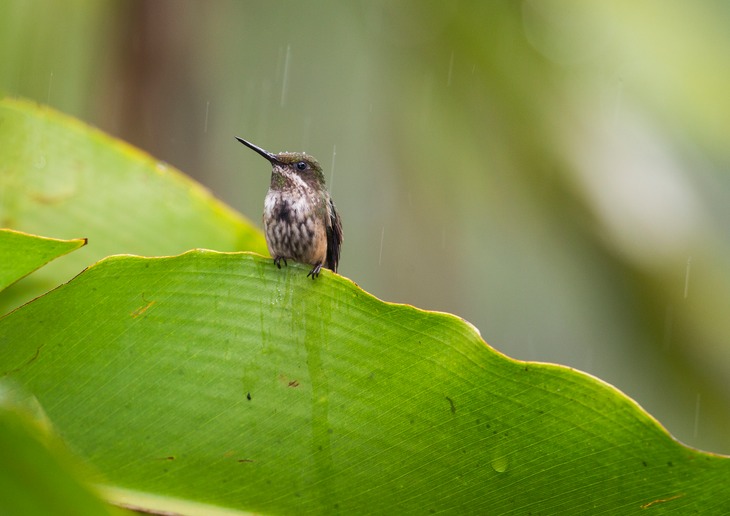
(219,380)
(59,177)
(21,253)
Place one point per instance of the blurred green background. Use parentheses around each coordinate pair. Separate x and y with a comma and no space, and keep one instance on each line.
(555,172)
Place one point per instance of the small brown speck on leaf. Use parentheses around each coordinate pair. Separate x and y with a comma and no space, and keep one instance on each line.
(661,500)
(142,309)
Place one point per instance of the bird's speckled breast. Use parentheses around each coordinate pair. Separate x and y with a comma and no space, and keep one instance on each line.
(294,226)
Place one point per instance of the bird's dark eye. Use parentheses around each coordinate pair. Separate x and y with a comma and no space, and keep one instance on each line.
(301,165)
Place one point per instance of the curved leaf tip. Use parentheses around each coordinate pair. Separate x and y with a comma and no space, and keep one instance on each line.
(22,253)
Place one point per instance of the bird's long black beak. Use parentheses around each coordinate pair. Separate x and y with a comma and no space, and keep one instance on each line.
(269,156)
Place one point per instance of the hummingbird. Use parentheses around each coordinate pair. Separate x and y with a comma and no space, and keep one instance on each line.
(301,222)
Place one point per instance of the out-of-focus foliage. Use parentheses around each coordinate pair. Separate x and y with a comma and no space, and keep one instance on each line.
(59,177)
(553,171)
(38,475)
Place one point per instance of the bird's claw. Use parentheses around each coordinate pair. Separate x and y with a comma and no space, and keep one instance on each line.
(277,261)
(315,272)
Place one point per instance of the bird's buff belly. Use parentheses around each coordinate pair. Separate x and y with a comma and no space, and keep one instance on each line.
(304,241)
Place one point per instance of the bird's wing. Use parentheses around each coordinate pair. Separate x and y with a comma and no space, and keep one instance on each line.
(334,236)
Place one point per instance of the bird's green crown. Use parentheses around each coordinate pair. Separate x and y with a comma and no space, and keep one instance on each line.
(302,164)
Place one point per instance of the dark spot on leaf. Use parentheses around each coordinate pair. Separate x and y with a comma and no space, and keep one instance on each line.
(451,403)
(248,396)
(644,463)
(294,383)
(31,359)
(245,460)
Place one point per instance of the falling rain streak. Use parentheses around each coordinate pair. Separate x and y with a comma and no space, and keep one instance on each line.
(667,327)
(332,174)
(207,109)
(618,101)
(285,77)
(697,415)
(451,69)
(50,85)
(380,256)
(686,277)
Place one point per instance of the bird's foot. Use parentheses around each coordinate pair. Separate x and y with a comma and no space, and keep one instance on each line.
(315,272)
(277,261)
